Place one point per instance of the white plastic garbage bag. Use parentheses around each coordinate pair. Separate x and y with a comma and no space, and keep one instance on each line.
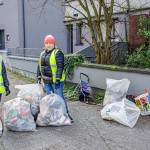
(52,111)
(116,90)
(32,93)
(17,115)
(124,112)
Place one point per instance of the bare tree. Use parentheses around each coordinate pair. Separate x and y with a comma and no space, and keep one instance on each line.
(92,13)
(95,14)
(99,13)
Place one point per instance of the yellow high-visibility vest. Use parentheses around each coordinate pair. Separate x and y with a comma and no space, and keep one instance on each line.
(53,65)
(2,87)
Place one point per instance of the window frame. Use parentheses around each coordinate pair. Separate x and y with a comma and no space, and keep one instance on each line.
(79,39)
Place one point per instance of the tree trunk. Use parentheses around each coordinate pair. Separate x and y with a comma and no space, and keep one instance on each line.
(108,43)
(98,58)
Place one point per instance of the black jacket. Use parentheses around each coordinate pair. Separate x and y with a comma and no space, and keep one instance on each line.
(4,75)
(45,65)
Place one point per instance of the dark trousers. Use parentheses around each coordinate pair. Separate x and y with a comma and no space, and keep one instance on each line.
(0,97)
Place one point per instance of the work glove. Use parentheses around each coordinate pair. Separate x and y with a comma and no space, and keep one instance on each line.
(39,81)
(57,84)
(7,90)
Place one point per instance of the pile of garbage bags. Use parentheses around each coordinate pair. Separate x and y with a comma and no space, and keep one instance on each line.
(117,107)
(30,109)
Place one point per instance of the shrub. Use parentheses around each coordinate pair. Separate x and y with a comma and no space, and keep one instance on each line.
(140,58)
(144,24)
(72,62)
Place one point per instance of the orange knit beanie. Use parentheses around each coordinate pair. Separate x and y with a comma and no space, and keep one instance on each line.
(50,39)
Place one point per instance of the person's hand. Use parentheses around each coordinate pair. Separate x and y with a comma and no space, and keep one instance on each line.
(7,90)
(57,84)
(39,81)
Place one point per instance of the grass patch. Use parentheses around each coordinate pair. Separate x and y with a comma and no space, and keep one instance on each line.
(72,93)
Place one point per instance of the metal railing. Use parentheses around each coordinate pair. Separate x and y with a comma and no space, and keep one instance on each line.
(119,52)
(25,52)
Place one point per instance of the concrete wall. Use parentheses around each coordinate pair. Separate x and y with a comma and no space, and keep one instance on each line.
(3,53)
(23,65)
(97,73)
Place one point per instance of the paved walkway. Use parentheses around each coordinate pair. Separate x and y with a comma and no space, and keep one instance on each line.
(89,132)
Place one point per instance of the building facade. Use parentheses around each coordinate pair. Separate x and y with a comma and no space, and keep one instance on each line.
(24,24)
(125,23)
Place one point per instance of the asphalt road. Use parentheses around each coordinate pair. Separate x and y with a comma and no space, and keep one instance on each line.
(88,132)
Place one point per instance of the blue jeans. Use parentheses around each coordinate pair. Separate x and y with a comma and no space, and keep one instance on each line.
(50,88)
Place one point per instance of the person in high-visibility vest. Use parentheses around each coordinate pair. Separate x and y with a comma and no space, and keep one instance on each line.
(4,83)
(51,69)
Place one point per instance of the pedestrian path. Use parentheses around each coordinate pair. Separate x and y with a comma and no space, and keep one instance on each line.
(89,131)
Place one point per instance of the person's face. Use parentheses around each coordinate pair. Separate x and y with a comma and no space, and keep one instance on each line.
(49,46)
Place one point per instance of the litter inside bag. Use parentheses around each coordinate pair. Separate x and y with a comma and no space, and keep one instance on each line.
(116,90)
(143,103)
(52,111)
(124,112)
(32,93)
(17,115)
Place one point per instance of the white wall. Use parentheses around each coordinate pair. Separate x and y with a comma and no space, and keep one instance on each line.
(97,73)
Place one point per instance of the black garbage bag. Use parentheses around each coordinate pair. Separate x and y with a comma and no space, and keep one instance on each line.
(131,98)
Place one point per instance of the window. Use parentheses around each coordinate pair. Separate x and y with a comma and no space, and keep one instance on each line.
(69,38)
(79,34)
(115,29)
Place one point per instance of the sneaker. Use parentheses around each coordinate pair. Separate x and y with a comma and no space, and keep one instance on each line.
(72,121)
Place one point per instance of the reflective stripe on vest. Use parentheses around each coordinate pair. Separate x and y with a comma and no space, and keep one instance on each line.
(53,65)
(2,88)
